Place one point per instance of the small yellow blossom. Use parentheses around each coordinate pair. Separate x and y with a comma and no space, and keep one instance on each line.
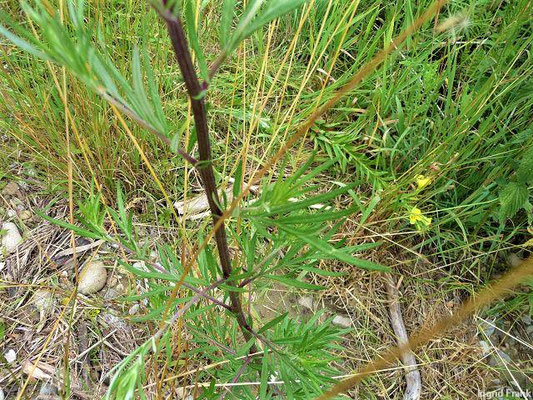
(422,181)
(417,218)
(93,313)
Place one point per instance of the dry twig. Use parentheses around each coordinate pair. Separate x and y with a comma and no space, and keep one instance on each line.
(412,376)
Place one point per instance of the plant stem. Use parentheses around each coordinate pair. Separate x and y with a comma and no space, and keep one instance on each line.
(204,167)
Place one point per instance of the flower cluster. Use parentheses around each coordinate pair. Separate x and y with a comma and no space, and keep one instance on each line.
(416,217)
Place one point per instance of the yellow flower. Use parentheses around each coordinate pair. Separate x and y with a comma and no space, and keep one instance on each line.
(417,218)
(422,181)
(93,313)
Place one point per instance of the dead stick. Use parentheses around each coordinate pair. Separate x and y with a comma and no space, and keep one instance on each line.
(412,376)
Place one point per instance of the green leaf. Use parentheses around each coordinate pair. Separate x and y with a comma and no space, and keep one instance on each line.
(513,196)
(274,9)
(177,136)
(190,19)
(294,282)
(237,181)
(140,99)
(263,389)
(329,251)
(153,90)
(273,322)
(246,19)
(174,143)
(369,208)
(127,382)
(311,201)
(76,229)
(317,217)
(524,174)
(226,21)
(321,272)
(150,275)
(24,45)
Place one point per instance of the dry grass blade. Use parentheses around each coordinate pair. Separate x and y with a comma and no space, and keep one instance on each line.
(495,291)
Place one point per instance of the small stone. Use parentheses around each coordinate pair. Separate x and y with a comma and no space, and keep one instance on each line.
(11,213)
(92,277)
(43,300)
(111,294)
(11,189)
(11,238)
(499,358)
(25,215)
(112,281)
(485,347)
(487,329)
(140,265)
(115,322)
(48,391)
(306,302)
(10,356)
(342,321)
(134,309)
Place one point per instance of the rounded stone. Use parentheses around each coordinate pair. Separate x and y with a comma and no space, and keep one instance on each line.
(11,238)
(93,277)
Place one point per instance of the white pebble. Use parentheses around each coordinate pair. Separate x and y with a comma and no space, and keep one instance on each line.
(306,302)
(134,309)
(11,238)
(10,356)
(140,265)
(343,322)
(43,300)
